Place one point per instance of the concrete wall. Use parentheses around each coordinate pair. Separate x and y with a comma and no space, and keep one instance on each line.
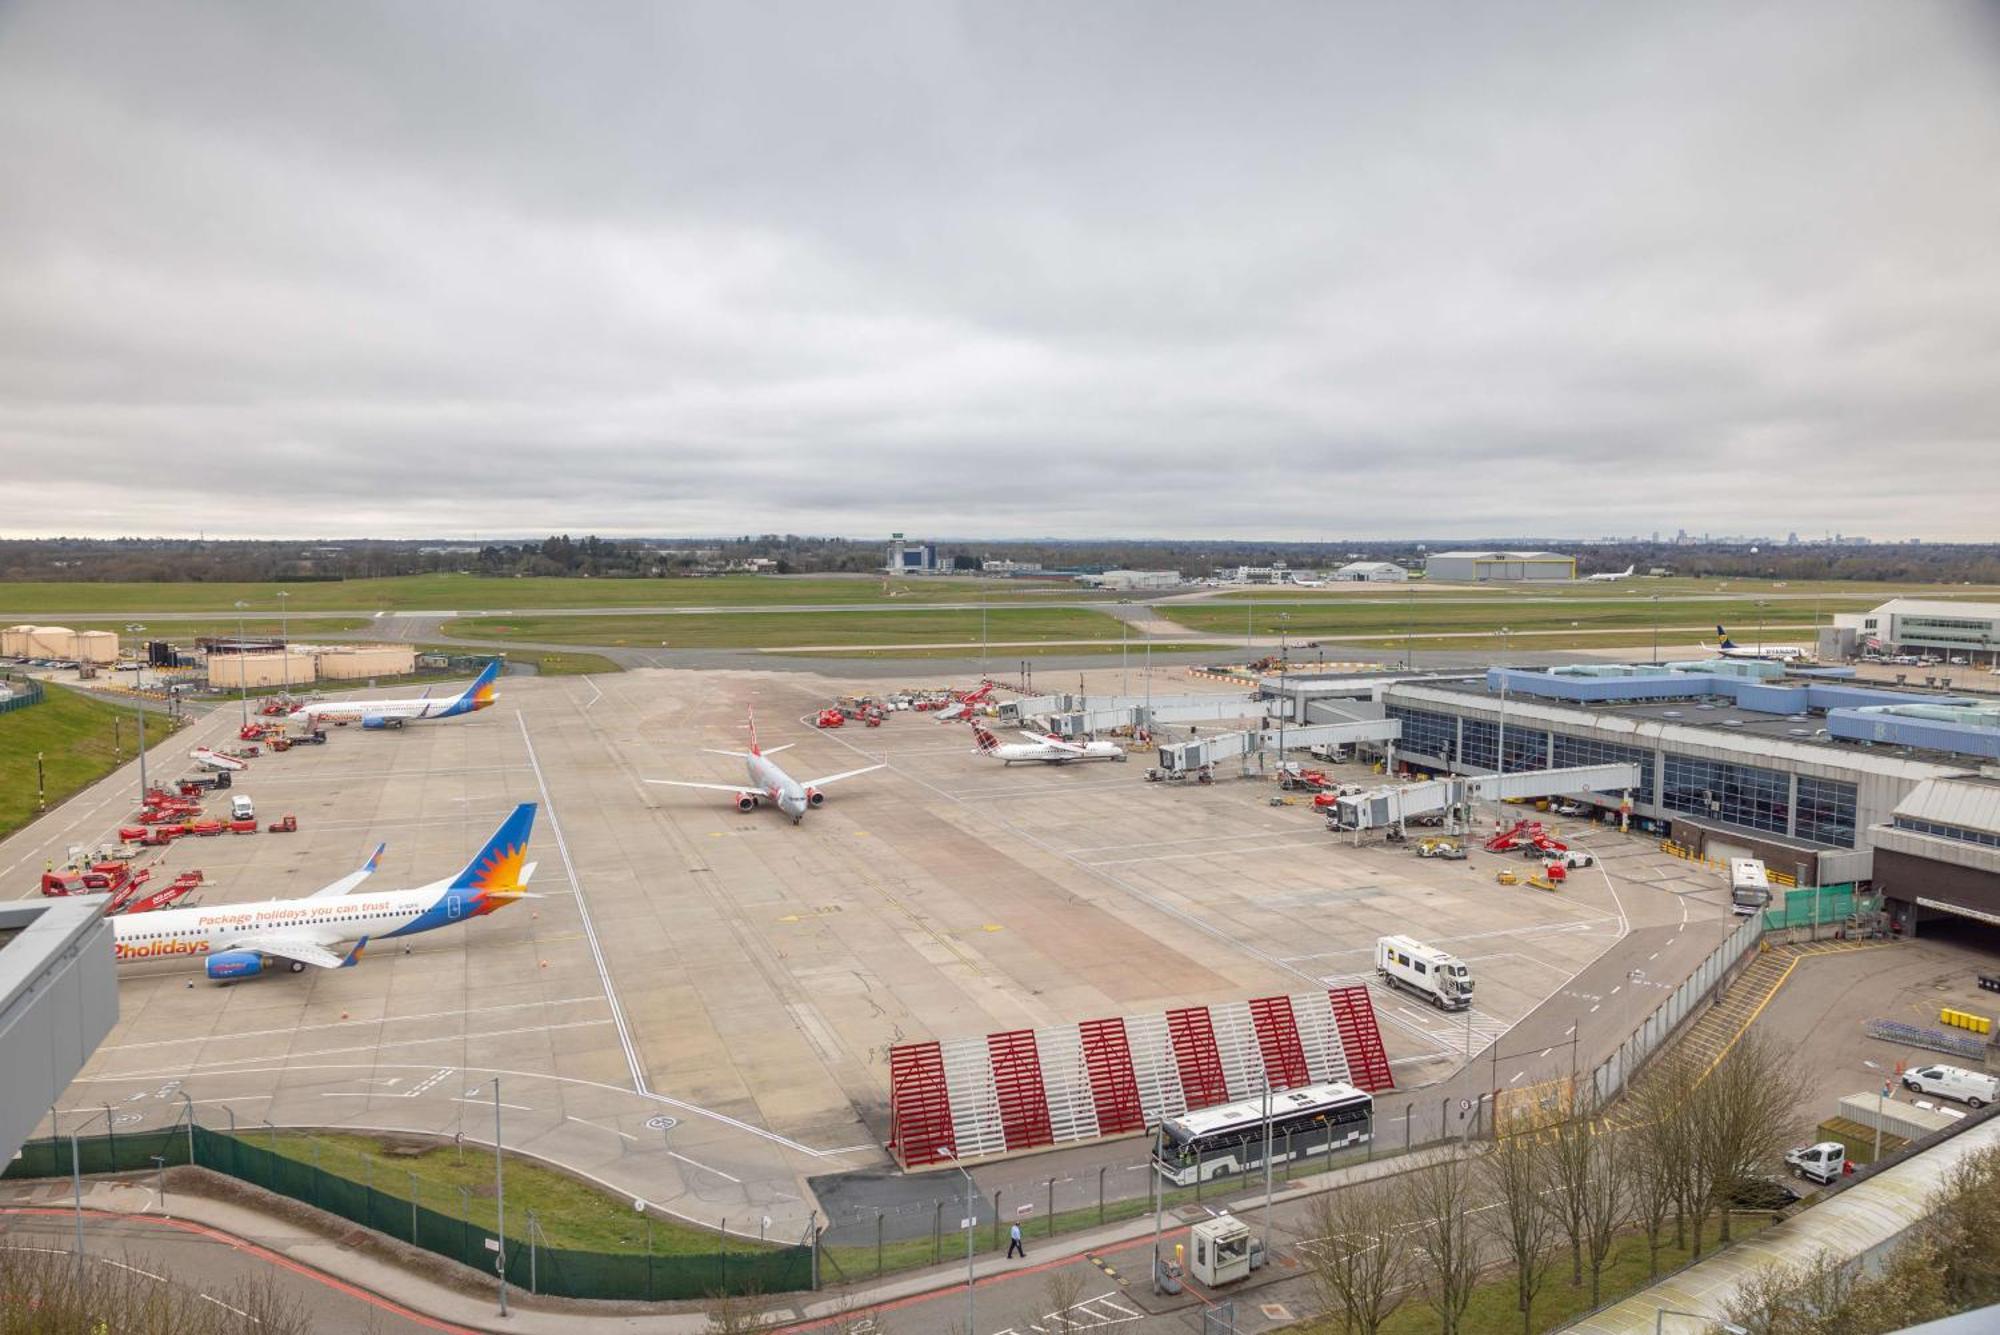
(58,1000)
(234,671)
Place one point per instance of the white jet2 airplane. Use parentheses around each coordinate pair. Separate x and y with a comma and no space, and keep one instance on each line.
(239,940)
(1044,747)
(768,783)
(1609,575)
(395,713)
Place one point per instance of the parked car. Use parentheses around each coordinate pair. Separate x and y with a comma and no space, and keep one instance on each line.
(1972,1088)
(1824,1162)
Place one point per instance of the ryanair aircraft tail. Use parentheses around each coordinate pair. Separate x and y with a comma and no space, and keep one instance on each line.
(1727,643)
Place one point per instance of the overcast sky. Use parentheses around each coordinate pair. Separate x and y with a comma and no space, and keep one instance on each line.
(1294,271)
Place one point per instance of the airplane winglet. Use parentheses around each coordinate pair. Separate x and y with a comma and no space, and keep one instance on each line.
(375,858)
(354,955)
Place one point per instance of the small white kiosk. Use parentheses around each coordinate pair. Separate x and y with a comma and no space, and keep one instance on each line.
(1221,1251)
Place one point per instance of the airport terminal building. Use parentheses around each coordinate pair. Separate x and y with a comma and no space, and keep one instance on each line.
(1827,780)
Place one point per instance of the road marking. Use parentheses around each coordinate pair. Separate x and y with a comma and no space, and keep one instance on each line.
(674,1154)
(133,1269)
(338,1024)
(583,913)
(1545,1052)
(1517,1076)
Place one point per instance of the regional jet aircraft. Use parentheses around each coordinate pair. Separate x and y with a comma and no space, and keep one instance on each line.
(1608,576)
(395,713)
(1047,748)
(240,940)
(770,784)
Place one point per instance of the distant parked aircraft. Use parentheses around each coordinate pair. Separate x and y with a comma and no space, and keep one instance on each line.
(239,939)
(1046,748)
(768,783)
(395,713)
(1611,575)
(1770,653)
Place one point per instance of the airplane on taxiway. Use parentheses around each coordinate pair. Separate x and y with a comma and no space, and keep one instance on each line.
(1047,748)
(768,783)
(1606,577)
(395,713)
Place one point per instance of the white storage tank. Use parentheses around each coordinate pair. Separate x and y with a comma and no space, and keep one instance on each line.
(12,640)
(97,646)
(236,671)
(50,642)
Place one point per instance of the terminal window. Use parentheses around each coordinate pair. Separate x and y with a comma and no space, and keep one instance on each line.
(1575,752)
(1745,795)
(1826,811)
(1426,733)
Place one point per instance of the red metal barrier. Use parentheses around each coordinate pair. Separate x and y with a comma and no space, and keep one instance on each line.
(920,1125)
(1107,1056)
(1193,1036)
(1354,1020)
(1278,1041)
(1017,1081)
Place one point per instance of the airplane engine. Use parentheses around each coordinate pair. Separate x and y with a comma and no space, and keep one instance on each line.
(746,801)
(234,964)
(379,721)
(815,798)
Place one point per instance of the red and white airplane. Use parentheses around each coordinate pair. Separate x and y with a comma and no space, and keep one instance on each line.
(1045,748)
(768,783)
(965,703)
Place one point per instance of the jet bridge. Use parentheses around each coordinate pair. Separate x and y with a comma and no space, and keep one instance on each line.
(1380,808)
(1076,715)
(1199,751)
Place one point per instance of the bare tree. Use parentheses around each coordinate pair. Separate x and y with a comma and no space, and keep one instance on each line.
(1744,1112)
(1657,1127)
(1570,1139)
(1062,1291)
(47,1292)
(1358,1259)
(1447,1251)
(1516,1171)
(1606,1198)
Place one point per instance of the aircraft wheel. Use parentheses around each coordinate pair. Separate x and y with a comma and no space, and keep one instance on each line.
(298,966)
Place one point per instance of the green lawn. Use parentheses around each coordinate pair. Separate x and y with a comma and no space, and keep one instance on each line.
(73,732)
(570,1212)
(29,601)
(547,662)
(1004,656)
(1394,616)
(298,628)
(740,630)
(1874,591)
(1683,636)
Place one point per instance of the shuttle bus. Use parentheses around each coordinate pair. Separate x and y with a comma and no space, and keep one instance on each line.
(1229,1138)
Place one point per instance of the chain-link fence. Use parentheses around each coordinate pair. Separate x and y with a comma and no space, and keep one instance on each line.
(22,693)
(561,1271)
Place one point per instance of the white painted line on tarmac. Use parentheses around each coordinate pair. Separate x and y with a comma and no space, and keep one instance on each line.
(223,1066)
(672,1154)
(488,1103)
(1517,1076)
(572,1117)
(133,1269)
(233,1037)
(632,1062)
(1545,1052)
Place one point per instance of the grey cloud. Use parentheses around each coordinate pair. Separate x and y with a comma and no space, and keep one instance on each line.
(1288,270)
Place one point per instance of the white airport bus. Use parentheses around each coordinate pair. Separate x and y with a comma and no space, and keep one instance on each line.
(1749,887)
(1229,1138)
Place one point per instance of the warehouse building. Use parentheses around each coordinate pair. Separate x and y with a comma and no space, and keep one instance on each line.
(1371,572)
(1132,579)
(1498,567)
(1827,780)
(1947,629)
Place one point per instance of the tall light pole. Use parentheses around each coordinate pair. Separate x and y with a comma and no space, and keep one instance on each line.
(1267,1167)
(77,1184)
(1284,684)
(285,637)
(499,1189)
(1760,625)
(1655,600)
(1500,744)
(242,663)
(971,1219)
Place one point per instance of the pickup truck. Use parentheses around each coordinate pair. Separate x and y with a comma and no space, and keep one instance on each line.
(1824,1162)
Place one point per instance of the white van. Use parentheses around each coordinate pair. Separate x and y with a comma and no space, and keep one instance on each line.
(240,808)
(1823,1162)
(1971,1088)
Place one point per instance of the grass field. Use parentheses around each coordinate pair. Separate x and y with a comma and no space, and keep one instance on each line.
(1489,643)
(570,1212)
(1393,618)
(1875,591)
(74,735)
(548,662)
(752,630)
(472,593)
(188,630)
(1003,656)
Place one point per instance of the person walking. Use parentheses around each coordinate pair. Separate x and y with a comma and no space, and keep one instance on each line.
(1014,1247)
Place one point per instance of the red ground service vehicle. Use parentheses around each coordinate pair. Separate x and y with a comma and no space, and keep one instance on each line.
(204,828)
(831,718)
(168,895)
(126,893)
(1528,838)
(243,827)
(287,824)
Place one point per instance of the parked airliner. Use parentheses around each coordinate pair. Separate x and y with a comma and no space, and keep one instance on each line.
(1771,653)
(768,783)
(239,940)
(395,713)
(1046,748)
(1608,576)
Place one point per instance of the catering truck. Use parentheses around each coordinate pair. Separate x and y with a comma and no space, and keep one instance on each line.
(1440,978)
